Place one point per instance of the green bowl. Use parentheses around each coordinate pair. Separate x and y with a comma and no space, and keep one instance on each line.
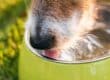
(32,67)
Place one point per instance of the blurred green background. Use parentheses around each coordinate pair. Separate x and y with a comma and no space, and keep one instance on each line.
(12,18)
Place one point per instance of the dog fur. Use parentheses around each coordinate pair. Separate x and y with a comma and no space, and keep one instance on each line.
(81,27)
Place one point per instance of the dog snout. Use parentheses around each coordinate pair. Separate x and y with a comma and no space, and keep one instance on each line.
(45,42)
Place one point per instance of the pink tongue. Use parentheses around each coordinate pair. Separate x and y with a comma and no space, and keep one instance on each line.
(52,54)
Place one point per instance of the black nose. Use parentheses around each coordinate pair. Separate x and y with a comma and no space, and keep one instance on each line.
(42,43)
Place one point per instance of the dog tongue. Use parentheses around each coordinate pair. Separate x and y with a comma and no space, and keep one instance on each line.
(52,54)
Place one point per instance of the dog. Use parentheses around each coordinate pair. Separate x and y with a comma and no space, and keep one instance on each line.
(69,30)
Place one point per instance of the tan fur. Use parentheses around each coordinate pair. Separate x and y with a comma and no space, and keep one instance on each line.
(61,8)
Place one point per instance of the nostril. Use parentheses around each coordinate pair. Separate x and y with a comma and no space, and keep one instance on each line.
(43,43)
